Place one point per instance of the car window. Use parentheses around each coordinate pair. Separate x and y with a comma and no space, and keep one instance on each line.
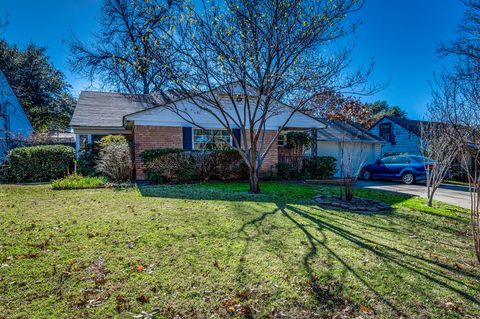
(422,159)
(388,160)
(402,160)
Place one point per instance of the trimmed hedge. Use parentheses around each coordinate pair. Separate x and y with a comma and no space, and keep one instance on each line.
(178,166)
(320,167)
(149,155)
(40,163)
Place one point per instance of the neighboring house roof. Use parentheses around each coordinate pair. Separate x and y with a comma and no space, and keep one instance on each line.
(413,126)
(346,131)
(102,109)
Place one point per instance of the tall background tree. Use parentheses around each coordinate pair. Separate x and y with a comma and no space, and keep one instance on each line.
(336,106)
(41,89)
(131,51)
(380,109)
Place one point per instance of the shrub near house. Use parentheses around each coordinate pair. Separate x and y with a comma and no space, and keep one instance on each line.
(177,166)
(115,159)
(316,167)
(40,163)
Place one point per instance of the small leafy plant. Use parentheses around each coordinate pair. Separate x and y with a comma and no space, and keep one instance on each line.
(76,181)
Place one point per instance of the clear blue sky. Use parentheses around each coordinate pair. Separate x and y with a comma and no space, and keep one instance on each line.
(399,35)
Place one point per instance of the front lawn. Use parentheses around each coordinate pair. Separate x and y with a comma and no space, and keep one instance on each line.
(212,250)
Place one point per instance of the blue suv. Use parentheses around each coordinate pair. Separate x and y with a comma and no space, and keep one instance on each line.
(407,168)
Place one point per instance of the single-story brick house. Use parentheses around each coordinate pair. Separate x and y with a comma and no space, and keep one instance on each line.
(148,122)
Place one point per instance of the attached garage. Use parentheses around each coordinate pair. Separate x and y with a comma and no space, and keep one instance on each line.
(352,146)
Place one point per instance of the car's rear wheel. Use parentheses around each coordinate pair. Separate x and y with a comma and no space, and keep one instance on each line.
(408,178)
(367,175)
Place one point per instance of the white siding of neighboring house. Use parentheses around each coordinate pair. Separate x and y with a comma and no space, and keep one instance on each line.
(355,154)
(406,142)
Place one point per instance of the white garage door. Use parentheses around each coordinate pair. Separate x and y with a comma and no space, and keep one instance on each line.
(355,155)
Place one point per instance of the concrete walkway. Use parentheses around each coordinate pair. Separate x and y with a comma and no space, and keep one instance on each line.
(451,194)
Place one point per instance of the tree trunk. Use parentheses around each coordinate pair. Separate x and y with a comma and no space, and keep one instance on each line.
(253,180)
(348,191)
(430,195)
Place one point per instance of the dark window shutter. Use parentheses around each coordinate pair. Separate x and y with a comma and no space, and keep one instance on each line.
(187,138)
(238,136)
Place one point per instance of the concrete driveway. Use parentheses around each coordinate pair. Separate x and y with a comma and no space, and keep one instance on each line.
(451,194)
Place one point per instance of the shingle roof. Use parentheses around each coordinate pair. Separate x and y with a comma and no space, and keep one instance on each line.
(348,131)
(102,109)
(413,126)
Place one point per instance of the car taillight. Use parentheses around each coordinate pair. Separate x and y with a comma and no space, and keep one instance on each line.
(429,167)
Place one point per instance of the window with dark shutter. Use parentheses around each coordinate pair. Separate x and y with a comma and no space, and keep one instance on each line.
(386,132)
(187,138)
(238,136)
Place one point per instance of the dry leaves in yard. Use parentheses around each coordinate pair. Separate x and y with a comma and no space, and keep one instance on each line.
(366,310)
(122,303)
(452,306)
(143,299)
(98,271)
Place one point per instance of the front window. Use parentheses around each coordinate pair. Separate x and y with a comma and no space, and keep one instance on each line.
(386,132)
(211,139)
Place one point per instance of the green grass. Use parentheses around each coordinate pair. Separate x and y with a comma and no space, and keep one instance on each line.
(212,250)
(75,181)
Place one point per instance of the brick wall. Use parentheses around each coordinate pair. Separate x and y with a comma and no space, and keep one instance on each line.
(152,137)
(272,157)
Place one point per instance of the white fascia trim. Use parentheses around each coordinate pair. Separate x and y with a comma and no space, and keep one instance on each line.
(182,124)
(206,125)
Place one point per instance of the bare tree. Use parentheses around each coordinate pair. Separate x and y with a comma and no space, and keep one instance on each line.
(461,90)
(438,144)
(131,52)
(245,62)
(352,158)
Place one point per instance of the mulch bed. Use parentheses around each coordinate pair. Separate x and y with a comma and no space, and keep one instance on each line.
(364,205)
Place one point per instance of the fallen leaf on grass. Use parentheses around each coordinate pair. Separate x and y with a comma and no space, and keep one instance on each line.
(366,310)
(140,268)
(98,271)
(452,306)
(143,299)
(122,303)
(28,256)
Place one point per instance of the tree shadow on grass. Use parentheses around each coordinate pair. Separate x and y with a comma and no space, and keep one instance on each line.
(409,261)
(434,271)
(413,263)
(286,192)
